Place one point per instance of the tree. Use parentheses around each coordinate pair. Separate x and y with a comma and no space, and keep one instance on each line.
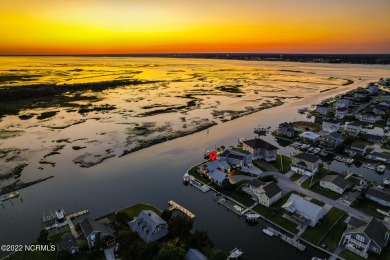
(180,226)
(200,239)
(43,237)
(172,250)
(166,215)
(218,254)
(121,218)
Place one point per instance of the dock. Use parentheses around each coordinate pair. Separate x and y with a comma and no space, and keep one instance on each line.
(51,222)
(200,186)
(292,241)
(10,197)
(175,206)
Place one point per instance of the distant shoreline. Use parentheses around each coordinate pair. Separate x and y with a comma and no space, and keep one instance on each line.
(379,59)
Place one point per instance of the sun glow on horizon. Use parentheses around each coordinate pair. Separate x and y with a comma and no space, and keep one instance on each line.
(155,26)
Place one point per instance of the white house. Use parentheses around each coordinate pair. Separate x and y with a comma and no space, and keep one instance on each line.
(368,117)
(323,109)
(353,128)
(330,125)
(341,103)
(380,196)
(260,149)
(356,148)
(303,210)
(309,136)
(341,113)
(265,193)
(96,231)
(236,158)
(305,164)
(335,183)
(149,226)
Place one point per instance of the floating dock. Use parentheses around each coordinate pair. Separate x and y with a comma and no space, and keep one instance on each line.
(175,206)
(292,241)
(9,196)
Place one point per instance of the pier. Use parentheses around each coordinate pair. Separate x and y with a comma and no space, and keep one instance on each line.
(10,197)
(292,241)
(175,206)
(200,186)
(51,221)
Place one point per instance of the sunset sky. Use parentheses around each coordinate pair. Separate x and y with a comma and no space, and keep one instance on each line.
(176,26)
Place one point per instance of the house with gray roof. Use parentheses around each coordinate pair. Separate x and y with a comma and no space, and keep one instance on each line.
(330,125)
(353,128)
(194,254)
(260,149)
(149,226)
(331,140)
(305,164)
(96,231)
(341,103)
(303,210)
(266,193)
(220,165)
(371,237)
(323,109)
(356,148)
(236,158)
(340,113)
(374,138)
(335,183)
(218,177)
(69,244)
(379,157)
(286,129)
(380,196)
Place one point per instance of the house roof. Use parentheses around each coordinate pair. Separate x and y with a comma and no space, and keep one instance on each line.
(298,203)
(342,109)
(355,123)
(309,135)
(89,226)
(211,166)
(380,155)
(307,157)
(68,241)
(323,105)
(194,254)
(373,137)
(255,183)
(356,145)
(355,222)
(375,230)
(225,153)
(383,194)
(334,135)
(259,143)
(331,121)
(271,189)
(218,175)
(236,156)
(146,223)
(337,180)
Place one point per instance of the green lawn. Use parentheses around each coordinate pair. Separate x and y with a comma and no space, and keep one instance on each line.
(133,211)
(317,202)
(302,125)
(245,200)
(316,178)
(348,255)
(327,193)
(282,160)
(315,234)
(263,210)
(295,176)
(197,176)
(369,207)
(287,224)
(332,239)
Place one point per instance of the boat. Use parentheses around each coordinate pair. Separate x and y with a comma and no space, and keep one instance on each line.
(317,150)
(380,168)
(241,141)
(260,130)
(207,154)
(386,181)
(60,214)
(235,253)
(266,231)
(303,110)
(186,178)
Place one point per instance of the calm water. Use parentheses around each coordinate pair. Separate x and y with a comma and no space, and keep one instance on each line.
(154,176)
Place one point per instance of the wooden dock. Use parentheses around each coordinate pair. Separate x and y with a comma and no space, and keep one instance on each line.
(175,206)
(292,241)
(10,196)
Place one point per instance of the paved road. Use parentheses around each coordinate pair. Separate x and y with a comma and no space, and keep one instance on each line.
(286,184)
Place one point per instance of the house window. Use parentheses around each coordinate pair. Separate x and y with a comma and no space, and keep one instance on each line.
(360,238)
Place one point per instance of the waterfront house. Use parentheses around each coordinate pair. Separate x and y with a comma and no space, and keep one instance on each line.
(68,244)
(218,177)
(368,117)
(303,210)
(149,226)
(331,140)
(266,193)
(374,138)
(286,129)
(309,137)
(220,165)
(323,109)
(330,125)
(353,128)
(96,231)
(236,158)
(341,103)
(379,157)
(371,237)
(335,183)
(356,148)
(381,110)
(372,89)
(260,149)
(305,164)
(341,113)
(194,254)
(380,196)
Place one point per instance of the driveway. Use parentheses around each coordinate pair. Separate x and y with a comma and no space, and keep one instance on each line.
(286,184)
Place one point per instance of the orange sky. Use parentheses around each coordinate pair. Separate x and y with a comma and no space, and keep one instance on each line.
(147,26)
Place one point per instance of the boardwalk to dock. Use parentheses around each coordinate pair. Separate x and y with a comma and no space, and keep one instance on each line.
(175,206)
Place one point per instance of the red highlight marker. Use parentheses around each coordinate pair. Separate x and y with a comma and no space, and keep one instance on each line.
(213,155)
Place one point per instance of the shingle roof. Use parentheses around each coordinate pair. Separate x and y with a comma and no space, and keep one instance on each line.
(356,123)
(342,109)
(373,137)
(383,194)
(303,205)
(218,175)
(309,135)
(149,226)
(376,230)
(337,180)
(259,143)
(89,225)
(68,241)
(359,146)
(255,183)
(307,157)
(271,189)
(355,222)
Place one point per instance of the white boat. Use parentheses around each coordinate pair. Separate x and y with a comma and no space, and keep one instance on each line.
(386,181)
(235,254)
(260,130)
(268,232)
(387,214)
(380,168)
